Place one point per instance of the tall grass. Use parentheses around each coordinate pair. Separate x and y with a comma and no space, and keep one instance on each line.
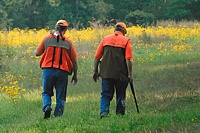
(166,80)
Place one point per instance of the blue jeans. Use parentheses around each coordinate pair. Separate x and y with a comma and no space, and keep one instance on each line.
(108,88)
(54,78)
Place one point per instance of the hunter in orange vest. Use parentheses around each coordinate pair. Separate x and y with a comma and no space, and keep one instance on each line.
(57,62)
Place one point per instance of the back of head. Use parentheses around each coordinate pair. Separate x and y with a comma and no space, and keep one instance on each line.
(120,26)
(61,27)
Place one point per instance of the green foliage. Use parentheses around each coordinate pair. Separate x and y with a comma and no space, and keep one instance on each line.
(140,18)
(80,14)
(183,9)
(178,11)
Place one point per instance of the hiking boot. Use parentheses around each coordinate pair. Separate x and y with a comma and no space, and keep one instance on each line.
(103,115)
(47,113)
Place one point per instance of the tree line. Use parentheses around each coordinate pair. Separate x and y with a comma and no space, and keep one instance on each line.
(84,13)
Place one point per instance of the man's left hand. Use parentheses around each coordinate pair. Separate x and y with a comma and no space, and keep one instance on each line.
(95,76)
(74,79)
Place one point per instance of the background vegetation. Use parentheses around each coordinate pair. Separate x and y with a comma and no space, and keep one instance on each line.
(81,13)
(166,80)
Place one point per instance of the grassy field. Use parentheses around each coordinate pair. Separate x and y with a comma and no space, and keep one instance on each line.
(166,73)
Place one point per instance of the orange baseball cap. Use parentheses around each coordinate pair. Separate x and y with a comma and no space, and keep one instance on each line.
(123,25)
(62,23)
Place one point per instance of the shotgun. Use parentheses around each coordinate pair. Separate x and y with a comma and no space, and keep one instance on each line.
(124,78)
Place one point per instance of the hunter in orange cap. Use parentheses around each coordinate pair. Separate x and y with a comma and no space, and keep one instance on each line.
(115,54)
(57,62)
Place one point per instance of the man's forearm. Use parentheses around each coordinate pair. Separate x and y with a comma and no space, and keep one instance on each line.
(96,63)
(75,67)
(129,66)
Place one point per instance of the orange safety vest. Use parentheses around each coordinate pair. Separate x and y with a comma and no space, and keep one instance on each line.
(56,54)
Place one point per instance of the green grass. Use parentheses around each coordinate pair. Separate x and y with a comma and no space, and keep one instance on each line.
(167,90)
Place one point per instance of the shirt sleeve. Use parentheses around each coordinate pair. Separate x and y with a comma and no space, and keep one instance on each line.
(99,52)
(129,55)
(73,52)
(40,47)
